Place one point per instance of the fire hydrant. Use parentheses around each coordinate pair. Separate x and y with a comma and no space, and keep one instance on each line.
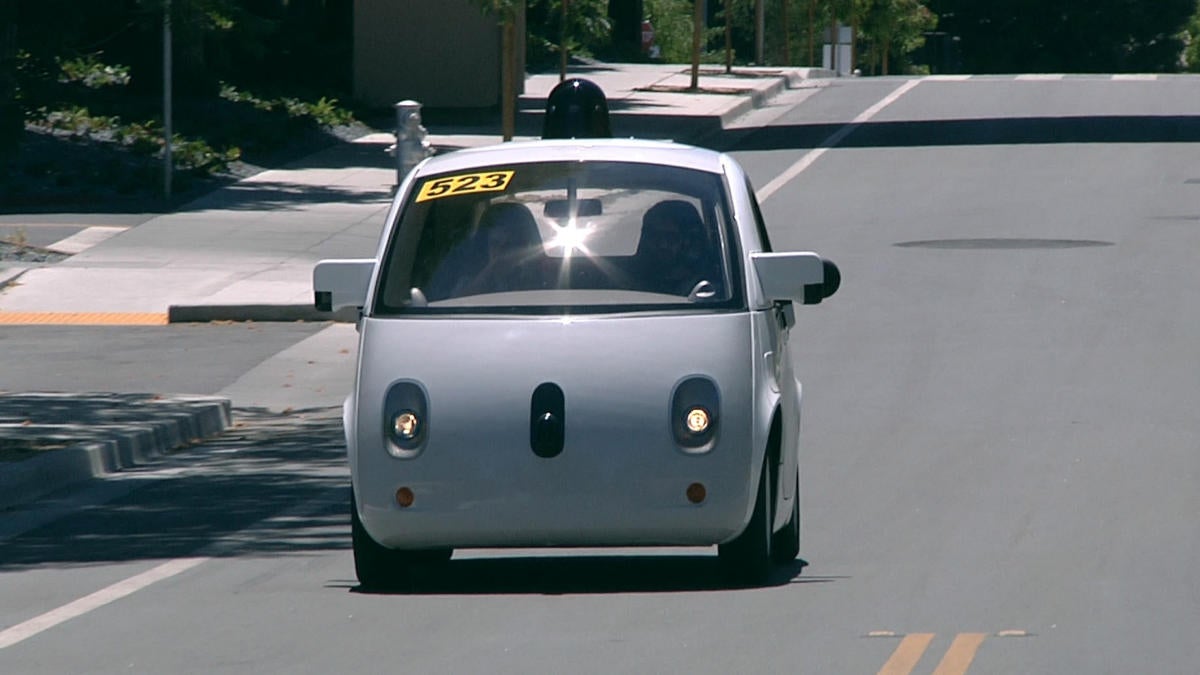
(412,142)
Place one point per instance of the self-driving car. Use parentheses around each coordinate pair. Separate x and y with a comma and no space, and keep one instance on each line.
(568,343)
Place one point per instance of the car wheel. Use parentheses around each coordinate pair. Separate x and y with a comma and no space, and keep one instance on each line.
(747,559)
(380,567)
(786,544)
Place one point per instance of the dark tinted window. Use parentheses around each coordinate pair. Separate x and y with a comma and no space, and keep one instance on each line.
(597,236)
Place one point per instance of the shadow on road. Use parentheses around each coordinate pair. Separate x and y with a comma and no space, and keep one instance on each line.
(578,575)
(987,131)
(226,501)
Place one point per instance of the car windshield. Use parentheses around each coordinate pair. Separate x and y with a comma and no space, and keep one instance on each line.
(561,236)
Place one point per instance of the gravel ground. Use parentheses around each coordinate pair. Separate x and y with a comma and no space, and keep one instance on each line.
(28,254)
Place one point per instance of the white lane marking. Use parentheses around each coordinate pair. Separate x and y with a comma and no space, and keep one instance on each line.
(85,239)
(100,598)
(837,137)
(38,624)
(1135,77)
(947,78)
(1039,77)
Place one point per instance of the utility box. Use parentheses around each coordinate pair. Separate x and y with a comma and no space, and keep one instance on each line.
(445,54)
(838,54)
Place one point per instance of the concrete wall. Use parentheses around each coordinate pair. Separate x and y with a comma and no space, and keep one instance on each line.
(442,53)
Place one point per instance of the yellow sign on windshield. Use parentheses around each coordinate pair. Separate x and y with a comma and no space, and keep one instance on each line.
(492,181)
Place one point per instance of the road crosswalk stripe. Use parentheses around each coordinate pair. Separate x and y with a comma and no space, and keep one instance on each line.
(85,239)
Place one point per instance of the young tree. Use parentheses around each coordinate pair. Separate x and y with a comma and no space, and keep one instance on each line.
(896,26)
(506,11)
(556,29)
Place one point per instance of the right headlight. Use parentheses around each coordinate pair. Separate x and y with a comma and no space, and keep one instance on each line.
(695,412)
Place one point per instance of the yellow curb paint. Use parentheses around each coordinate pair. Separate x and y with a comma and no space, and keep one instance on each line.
(907,654)
(83,319)
(960,655)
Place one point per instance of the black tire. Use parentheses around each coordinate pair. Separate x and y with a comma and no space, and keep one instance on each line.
(380,567)
(747,559)
(785,546)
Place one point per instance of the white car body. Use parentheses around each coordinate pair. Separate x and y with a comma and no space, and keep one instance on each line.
(607,459)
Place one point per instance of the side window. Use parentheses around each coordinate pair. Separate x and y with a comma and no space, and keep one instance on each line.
(758,218)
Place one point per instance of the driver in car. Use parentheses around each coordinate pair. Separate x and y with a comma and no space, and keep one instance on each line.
(675,253)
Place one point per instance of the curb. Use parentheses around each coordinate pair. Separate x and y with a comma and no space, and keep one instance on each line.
(10,275)
(260,313)
(162,424)
(691,129)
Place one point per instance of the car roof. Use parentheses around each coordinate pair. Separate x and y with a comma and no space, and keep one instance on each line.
(579,150)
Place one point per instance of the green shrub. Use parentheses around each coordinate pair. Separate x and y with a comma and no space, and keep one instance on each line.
(91,73)
(141,138)
(325,111)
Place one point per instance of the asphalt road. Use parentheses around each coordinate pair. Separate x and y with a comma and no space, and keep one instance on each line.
(1001,448)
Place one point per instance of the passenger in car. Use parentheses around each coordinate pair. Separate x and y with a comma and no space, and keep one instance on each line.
(675,253)
(514,256)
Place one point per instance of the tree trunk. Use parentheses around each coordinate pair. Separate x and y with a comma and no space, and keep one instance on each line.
(697,29)
(787,33)
(562,44)
(812,33)
(508,60)
(853,42)
(760,22)
(833,43)
(728,37)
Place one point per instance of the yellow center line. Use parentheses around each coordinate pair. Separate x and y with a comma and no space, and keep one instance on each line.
(907,654)
(960,655)
(83,318)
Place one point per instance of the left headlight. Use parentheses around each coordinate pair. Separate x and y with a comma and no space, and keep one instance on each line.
(405,419)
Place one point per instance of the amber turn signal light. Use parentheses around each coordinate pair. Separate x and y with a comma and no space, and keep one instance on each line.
(405,497)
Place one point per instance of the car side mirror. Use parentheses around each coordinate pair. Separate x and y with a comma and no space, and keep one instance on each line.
(797,276)
(342,283)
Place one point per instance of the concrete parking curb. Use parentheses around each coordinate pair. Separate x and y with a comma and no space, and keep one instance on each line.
(262,313)
(99,433)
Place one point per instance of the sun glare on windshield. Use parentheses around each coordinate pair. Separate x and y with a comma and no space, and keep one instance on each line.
(570,238)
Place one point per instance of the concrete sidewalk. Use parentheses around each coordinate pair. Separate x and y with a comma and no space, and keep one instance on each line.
(246,251)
